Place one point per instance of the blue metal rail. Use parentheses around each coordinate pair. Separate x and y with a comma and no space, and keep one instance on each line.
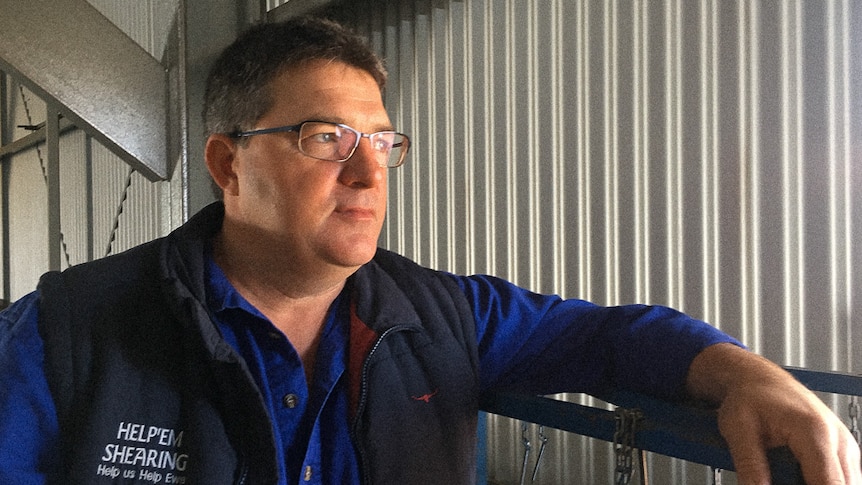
(673,429)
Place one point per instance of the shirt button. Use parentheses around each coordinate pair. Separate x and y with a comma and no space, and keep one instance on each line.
(307,476)
(289,401)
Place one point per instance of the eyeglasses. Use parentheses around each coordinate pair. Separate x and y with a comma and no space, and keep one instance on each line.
(336,142)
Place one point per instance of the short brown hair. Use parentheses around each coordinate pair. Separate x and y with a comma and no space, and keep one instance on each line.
(237,87)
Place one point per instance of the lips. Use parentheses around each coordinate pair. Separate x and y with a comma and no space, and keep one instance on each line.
(356,212)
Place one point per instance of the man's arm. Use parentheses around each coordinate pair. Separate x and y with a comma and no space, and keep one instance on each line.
(761,406)
(28,421)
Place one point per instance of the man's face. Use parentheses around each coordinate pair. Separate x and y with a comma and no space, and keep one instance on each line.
(318,212)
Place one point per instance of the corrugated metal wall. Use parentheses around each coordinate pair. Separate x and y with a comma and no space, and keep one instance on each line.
(702,154)
(705,155)
(93,180)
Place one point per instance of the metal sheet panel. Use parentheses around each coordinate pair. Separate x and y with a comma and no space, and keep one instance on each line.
(76,190)
(147,22)
(705,155)
(28,224)
(123,216)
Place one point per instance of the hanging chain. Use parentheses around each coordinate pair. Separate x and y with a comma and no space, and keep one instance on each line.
(853,411)
(624,439)
(30,126)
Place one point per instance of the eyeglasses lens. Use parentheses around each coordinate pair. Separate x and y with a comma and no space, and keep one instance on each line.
(326,141)
(329,141)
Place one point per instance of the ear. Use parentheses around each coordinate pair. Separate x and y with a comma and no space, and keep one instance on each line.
(220,156)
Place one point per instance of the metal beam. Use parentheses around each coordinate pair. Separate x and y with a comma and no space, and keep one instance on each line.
(52,144)
(671,429)
(5,134)
(67,52)
(295,8)
(666,428)
(825,381)
(34,138)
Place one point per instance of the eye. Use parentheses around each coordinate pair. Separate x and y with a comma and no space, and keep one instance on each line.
(321,133)
(383,142)
(382,146)
(324,137)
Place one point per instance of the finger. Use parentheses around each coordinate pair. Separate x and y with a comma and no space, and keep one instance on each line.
(851,461)
(747,449)
(820,465)
(752,466)
(853,465)
(827,461)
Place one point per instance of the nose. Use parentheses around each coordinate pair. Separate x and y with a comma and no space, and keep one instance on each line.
(363,168)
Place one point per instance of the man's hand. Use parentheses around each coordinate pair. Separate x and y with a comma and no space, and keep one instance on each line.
(760,406)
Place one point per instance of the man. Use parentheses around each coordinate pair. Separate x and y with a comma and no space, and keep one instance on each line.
(268,340)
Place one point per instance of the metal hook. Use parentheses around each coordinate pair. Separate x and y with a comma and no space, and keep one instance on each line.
(527,447)
(716,476)
(544,442)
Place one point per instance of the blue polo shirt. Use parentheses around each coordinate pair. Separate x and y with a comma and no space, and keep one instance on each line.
(311,422)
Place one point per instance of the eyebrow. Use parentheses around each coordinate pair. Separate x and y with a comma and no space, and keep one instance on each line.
(342,121)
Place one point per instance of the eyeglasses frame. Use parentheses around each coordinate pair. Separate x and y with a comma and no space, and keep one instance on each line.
(360,135)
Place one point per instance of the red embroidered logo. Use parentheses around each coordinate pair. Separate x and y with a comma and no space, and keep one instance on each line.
(426,397)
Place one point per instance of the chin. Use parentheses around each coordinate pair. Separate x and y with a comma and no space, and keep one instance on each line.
(357,255)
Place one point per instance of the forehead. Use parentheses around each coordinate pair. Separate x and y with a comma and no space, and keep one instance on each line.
(329,91)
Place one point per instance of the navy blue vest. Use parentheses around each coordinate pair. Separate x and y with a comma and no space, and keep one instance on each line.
(147,391)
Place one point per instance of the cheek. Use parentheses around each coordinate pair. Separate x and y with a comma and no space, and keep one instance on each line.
(273,182)
(300,195)
(260,192)
(384,193)
(258,187)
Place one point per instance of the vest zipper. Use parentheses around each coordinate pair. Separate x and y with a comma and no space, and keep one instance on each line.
(243,473)
(363,396)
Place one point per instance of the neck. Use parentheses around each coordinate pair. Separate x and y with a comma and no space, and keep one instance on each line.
(296,305)
(254,264)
